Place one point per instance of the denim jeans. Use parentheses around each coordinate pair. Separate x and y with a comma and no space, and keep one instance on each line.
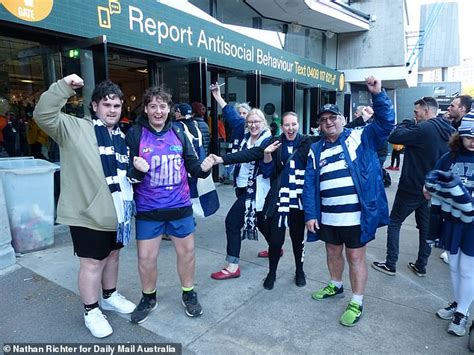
(403,206)
(234,222)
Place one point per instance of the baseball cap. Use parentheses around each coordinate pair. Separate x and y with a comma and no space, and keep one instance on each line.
(466,129)
(329,108)
(184,109)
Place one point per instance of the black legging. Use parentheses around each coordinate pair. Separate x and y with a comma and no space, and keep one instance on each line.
(276,239)
(395,156)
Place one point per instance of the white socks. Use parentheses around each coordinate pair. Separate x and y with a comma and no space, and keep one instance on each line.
(338,284)
(232,267)
(358,299)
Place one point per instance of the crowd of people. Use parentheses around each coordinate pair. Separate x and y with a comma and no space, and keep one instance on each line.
(330,184)
(21,136)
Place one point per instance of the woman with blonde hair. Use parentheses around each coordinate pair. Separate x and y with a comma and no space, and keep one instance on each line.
(245,217)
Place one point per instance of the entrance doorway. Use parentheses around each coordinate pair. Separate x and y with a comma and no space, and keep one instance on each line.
(131,74)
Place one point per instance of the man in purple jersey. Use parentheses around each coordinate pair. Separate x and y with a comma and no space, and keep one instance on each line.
(162,198)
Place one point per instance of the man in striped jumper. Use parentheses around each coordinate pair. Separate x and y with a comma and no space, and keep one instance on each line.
(343,195)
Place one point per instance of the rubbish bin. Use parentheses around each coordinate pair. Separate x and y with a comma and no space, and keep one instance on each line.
(29,196)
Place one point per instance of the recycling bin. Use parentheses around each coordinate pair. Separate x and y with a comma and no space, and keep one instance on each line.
(28,185)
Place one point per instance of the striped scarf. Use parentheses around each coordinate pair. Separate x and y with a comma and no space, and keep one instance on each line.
(451,209)
(291,182)
(114,157)
(449,197)
(250,226)
(290,195)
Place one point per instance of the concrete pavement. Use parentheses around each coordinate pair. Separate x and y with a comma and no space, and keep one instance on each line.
(41,302)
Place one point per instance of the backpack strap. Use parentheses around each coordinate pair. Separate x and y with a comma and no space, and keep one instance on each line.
(199,132)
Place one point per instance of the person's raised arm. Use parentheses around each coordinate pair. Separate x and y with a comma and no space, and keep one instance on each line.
(373,85)
(384,114)
(216,92)
(47,113)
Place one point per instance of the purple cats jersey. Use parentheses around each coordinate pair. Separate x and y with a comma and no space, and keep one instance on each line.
(165,185)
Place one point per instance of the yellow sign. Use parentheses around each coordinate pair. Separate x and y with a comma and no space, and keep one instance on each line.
(342,81)
(29,10)
(104,13)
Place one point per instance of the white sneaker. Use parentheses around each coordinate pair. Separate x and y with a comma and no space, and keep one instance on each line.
(458,324)
(444,256)
(116,302)
(448,312)
(97,323)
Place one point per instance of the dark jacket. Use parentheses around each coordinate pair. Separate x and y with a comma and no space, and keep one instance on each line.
(425,143)
(247,156)
(276,168)
(11,137)
(360,147)
(206,136)
(189,122)
(235,122)
(357,122)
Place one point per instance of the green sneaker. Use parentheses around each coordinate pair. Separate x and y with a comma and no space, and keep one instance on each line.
(327,292)
(351,315)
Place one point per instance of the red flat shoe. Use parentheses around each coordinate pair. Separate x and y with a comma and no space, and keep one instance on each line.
(225,274)
(264,253)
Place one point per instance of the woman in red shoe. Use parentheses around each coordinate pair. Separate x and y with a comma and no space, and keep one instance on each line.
(243,218)
(284,162)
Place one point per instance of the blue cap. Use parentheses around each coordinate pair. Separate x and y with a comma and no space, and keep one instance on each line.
(329,108)
(184,109)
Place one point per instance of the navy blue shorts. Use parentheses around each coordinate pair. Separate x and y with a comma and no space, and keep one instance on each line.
(347,235)
(179,228)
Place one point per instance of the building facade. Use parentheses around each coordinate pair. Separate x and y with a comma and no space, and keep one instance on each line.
(138,44)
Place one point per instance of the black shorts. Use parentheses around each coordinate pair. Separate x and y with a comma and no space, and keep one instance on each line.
(347,235)
(94,244)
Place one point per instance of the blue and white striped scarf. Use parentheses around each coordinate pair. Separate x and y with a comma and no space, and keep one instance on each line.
(115,158)
(451,209)
(290,196)
(449,197)
(254,190)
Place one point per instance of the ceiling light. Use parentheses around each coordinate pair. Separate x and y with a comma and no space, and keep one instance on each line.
(27,81)
(144,71)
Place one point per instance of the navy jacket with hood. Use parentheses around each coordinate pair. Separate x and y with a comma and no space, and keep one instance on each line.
(235,122)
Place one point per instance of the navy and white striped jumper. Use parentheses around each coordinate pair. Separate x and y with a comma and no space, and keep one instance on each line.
(340,204)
